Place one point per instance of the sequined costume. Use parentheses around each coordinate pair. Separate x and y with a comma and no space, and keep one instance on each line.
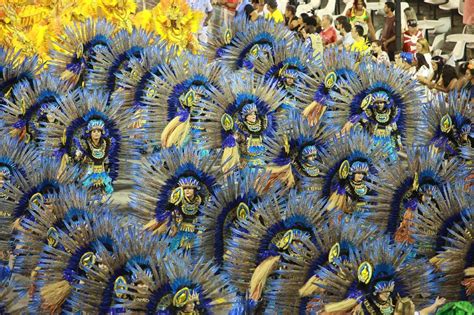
(183,84)
(346,165)
(101,287)
(172,187)
(403,187)
(382,280)
(182,286)
(33,103)
(92,134)
(74,51)
(271,236)
(383,103)
(292,157)
(315,91)
(239,118)
(444,233)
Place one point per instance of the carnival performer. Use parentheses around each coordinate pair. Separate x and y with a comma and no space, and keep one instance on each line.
(382,281)
(17,160)
(443,234)
(239,119)
(184,83)
(107,63)
(403,187)
(256,40)
(316,90)
(292,157)
(383,103)
(272,235)
(346,165)
(182,286)
(101,286)
(12,300)
(287,66)
(73,52)
(175,22)
(172,187)
(136,83)
(233,203)
(84,237)
(33,103)
(92,134)
(223,38)
(299,287)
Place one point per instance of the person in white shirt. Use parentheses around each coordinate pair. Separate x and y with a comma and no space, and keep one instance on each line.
(205,7)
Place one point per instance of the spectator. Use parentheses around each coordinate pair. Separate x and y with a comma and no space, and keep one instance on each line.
(290,15)
(467,83)
(273,12)
(378,54)
(422,67)
(360,44)
(328,32)
(404,61)
(411,37)
(409,14)
(448,80)
(437,64)
(228,8)
(338,22)
(422,46)
(313,39)
(205,7)
(250,13)
(388,36)
(300,24)
(358,14)
(259,5)
(347,39)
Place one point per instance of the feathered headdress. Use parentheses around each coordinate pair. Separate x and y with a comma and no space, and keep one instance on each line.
(339,161)
(292,156)
(257,41)
(16,159)
(234,202)
(314,92)
(107,63)
(184,83)
(100,288)
(74,114)
(224,37)
(42,185)
(83,240)
(14,70)
(300,282)
(34,103)
(13,297)
(355,100)
(73,53)
(261,241)
(444,232)
(157,184)
(402,187)
(448,126)
(180,281)
(224,117)
(383,266)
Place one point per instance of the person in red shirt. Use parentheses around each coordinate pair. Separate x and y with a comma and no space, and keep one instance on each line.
(411,37)
(328,33)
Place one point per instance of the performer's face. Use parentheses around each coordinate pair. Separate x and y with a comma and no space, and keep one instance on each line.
(189,307)
(96,134)
(290,81)
(380,105)
(189,192)
(384,296)
(251,118)
(358,177)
